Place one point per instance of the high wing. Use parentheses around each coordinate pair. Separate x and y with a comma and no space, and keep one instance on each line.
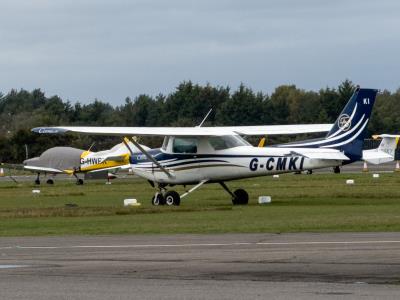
(318,153)
(190,131)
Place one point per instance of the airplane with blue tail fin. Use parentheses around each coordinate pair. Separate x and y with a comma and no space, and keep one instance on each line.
(200,155)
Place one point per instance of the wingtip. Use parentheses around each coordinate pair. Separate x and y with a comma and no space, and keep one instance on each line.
(48,130)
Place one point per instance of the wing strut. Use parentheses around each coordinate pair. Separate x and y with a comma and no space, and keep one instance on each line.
(194,188)
(147,155)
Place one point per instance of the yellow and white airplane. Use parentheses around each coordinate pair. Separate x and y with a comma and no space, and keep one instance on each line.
(68,160)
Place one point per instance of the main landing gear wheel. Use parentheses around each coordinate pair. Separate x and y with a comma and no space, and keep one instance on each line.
(50,181)
(37,180)
(157,200)
(336,170)
(79,181)
(240,197)
(172,198)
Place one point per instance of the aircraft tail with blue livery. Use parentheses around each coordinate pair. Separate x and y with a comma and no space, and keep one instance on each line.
(348,132)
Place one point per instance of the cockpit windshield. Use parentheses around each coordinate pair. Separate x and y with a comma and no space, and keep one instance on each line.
(227,141)
(185,145)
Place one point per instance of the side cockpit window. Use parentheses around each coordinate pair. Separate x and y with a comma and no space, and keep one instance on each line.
(226,142)
(185,145)
(165,143)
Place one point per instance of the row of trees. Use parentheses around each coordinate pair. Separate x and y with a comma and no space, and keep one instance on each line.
(186,106)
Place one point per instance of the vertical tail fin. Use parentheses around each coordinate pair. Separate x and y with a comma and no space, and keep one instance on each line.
(358,109)
(348,132)
(389,143)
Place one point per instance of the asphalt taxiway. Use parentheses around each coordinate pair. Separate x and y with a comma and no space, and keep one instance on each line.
(228,266)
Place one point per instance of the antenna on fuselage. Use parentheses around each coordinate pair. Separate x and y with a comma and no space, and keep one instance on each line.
(205,118)
(91,146)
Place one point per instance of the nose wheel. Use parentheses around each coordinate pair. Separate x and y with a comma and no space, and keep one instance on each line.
(172,198)
(37,180)
(168,198)
(158,199)
(79,181)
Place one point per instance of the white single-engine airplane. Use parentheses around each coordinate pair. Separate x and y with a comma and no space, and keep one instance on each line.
(199,155)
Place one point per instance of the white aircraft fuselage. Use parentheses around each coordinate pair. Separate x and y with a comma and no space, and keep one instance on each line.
(241,161)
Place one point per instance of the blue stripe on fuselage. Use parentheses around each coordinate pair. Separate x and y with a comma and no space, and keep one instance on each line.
(139,158)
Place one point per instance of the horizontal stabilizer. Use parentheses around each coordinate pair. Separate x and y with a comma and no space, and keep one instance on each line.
(321,154)
(385,152)
(376,157)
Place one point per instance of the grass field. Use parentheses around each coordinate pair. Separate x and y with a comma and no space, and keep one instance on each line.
(313,203)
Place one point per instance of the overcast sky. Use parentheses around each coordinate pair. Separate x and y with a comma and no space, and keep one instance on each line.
(82,50)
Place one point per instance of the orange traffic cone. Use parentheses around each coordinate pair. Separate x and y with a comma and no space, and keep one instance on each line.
(365,168)
(397,167)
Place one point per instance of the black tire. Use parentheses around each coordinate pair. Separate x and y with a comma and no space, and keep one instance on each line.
(241,197)
(157,200)
(336,170)
(172,198)
(37,181)
(79,182)
(50,181)
(309,172)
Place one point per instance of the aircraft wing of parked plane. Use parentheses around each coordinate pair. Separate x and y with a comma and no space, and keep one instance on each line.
(32,168)
(192,131)
(45,170)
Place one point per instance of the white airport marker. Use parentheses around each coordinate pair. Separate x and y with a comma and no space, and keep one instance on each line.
(131,202)
(264,199)
(12,266)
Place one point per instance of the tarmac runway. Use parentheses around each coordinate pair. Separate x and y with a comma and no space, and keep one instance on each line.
(225,266)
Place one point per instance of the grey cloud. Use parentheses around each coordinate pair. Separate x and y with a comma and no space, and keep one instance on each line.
(112,49)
